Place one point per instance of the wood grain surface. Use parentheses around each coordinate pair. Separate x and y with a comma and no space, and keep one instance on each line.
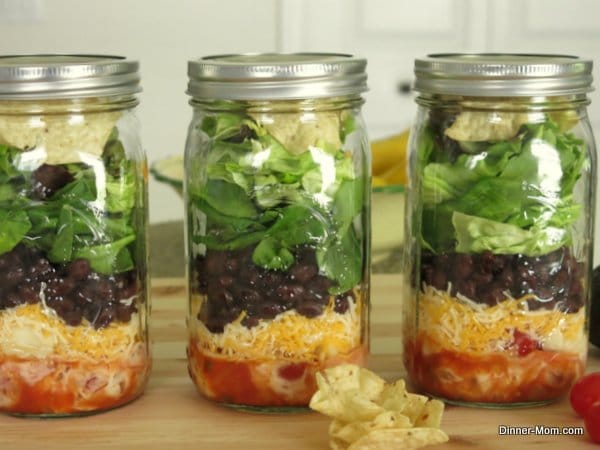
(171,415)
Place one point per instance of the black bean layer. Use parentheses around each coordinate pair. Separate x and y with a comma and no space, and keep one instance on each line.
(48,179)
(74,291)
(555,278)
(232,284)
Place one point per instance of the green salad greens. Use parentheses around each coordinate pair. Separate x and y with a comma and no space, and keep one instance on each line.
(91,216)
(506,196)
(255,192)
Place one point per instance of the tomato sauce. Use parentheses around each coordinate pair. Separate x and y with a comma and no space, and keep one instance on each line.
(260,382)
(537,376)
(67,387)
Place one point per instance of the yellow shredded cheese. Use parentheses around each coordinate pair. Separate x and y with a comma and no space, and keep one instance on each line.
(33,331)
(289,335)
(472,327)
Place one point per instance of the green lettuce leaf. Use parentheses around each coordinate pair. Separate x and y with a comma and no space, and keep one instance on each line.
(475,235)
(525,183)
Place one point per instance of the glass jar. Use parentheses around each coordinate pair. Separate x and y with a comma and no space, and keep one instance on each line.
(277,191)
(73,213)
(500,210)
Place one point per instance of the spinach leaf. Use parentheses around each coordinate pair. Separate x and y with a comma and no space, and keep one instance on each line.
(255,191)
(296,225)
(299,224)
(7,168)
(341,260)
(271,254)
(108,258)
(62,246)
(348,203)
(14,225)
(77,220)
(120,193)
(216,218)
(229,241)
(222,126)
(228,199)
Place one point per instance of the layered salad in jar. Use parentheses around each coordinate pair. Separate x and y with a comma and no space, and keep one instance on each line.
(277,244)
(501,293)
(72,270)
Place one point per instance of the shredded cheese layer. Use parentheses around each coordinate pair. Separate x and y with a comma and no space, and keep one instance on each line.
(35,331)
(471,327)
(288,336)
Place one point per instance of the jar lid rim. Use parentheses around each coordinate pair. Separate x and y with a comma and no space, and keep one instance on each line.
(256,76)
(52,76)
(503,74)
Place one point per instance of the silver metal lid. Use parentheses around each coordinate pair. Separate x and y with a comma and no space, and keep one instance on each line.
(24,77)
(273,76)
(493,75)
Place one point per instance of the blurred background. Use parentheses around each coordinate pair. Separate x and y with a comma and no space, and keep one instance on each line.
(164,34)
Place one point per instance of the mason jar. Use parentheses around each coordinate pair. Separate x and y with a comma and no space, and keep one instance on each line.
(277,189)
(500,212)
(73,213)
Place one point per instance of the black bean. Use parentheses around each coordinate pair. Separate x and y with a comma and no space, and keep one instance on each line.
(237,286)
(341,304)
(495,295)
(231,265)
(14,276)
(482,278)
(250,321)
(250,296)
(124,312)
(310,309)
(47,179)
(303,272)
(545,293)
(72,316)
(553,278)
(506,277)
(467,288)
(250,276)
(439,279)
(79,269)
(290,292)
(12,299)
(225,280)
(268,310)
(215,324)
(68,290)
(215,261)
(28,294)
(226,297)
(463,266)
(106,316)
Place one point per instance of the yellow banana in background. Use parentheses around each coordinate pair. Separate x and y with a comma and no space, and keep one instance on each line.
(389,160)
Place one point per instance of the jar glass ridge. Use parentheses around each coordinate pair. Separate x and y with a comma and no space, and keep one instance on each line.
(501,214)
(277,206)
(73,262)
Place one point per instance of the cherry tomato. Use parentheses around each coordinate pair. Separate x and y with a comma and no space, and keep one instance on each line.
(525,344)
(585,393)
(292,371)
(591,421)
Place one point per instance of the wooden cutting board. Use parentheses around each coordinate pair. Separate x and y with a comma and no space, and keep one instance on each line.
(171,415)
